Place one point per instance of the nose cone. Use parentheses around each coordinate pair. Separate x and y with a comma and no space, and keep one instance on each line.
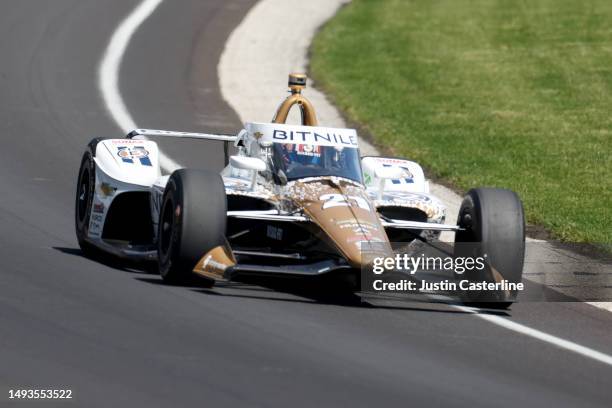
(344,213)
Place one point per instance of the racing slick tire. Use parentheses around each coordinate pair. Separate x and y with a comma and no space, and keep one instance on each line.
(86,184)
(192,222)
(493,225)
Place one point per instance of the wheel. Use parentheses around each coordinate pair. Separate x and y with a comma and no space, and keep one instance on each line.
(86,183)
(192,222)
(494,228)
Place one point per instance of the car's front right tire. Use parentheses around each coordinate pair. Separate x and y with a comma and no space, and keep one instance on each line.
(192,222)
(493,228)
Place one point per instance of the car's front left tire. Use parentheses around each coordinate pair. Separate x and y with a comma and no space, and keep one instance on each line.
(86,183)
(85,189)
(192,222)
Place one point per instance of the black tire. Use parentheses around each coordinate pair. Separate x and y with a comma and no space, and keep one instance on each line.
(85,188)
(192,222)
(494,224)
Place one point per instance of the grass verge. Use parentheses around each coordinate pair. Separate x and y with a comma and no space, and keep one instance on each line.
(504,93)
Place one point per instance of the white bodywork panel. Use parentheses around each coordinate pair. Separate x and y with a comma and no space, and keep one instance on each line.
(129,161)
(122,165)
(414,181)
(107,189)
(410,191)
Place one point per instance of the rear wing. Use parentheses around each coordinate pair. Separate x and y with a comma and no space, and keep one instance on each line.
(145,133)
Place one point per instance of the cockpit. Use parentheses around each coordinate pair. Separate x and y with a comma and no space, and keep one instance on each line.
(296,161)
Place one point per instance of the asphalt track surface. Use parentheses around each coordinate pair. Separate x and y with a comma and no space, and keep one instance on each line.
(116,336)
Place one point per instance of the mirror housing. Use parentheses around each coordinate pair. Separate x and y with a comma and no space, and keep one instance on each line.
(387,173)
(249,163)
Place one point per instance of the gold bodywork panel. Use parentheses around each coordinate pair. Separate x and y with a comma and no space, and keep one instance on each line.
(215,262)
(345,214)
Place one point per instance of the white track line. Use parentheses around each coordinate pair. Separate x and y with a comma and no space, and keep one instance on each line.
(537,334)
(108,73)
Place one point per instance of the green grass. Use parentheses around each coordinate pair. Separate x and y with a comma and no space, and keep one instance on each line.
(505,93)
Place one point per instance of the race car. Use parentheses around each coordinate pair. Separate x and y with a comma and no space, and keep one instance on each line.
(294,200)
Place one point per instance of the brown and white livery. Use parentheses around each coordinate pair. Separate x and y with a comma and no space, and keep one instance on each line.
(292,199)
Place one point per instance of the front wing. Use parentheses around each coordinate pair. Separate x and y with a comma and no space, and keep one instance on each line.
(274,215)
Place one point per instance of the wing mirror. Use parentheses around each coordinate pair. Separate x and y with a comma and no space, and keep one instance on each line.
(387,173)
(249,163)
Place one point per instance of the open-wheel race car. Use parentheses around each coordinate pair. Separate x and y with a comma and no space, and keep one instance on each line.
(292,200)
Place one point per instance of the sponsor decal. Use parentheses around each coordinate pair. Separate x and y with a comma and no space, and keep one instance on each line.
(95,225)
(339,200)
(99,208)
(126,141)
(132,154)
(107,189)
(356,224)
(274,233)
(211,264)
(215,262)
(308,150)
(308,137)
(408,179)
(361,230)
(390,160)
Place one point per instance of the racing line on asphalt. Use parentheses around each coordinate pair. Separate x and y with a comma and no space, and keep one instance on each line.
(108,74)
(108,83)
(537,334)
